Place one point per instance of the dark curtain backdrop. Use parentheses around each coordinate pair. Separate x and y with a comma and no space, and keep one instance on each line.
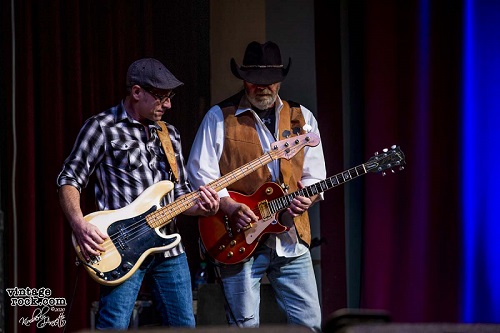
(71,60)
(412,220)
(387,73)
(399,63)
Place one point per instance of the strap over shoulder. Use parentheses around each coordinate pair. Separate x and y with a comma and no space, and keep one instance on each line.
(284,132)
(168,148)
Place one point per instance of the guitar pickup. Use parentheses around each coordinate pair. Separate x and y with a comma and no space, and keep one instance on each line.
(121,244)
(265,213)
(121,239)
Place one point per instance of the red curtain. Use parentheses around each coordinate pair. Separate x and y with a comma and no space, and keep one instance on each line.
(400,69)
(412,248)
(71,59)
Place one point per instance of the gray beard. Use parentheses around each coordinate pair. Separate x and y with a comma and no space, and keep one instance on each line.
(262,103)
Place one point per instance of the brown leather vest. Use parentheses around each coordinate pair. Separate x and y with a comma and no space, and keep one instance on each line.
(242,145)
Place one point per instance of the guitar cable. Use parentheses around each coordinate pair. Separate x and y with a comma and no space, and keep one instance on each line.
(98,272)
(227,307)
(218,279)
(77,264)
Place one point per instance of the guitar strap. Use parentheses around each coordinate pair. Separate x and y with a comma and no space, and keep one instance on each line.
(167,147)
(283,129)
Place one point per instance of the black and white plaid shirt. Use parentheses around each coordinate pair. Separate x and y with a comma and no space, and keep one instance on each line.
(126,162)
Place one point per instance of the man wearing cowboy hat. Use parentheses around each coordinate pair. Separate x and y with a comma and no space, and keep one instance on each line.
(237,131)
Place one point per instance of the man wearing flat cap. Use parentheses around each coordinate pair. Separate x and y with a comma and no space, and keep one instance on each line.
(236,131)
(124,147)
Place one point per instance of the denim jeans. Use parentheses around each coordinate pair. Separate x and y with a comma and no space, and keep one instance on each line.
(170,284)
(292,279)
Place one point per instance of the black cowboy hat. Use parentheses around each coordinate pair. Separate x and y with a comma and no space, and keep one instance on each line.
(262,64)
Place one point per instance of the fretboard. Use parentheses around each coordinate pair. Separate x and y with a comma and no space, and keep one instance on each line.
(283,202)
(165,214)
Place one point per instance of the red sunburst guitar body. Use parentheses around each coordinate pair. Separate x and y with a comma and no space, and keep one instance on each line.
(225,243)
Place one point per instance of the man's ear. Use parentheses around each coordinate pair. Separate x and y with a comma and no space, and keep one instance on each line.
(135,91)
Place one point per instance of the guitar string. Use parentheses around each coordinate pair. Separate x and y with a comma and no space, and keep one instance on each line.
(277,204)
(109,244)
(218,185)
(137,229)
(335,180)
(189,200)
(340,179)
(195,196)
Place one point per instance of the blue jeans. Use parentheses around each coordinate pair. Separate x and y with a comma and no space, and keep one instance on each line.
(170,283)
(292,279)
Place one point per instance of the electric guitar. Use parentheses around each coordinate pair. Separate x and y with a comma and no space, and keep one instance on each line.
(134,229)
(227,245)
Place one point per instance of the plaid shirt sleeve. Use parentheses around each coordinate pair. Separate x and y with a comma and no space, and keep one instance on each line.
(86,153)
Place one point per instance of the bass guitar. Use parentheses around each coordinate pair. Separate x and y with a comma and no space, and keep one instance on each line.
(134,229)
(227,245)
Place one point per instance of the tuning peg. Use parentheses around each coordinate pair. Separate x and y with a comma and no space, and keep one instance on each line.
(385,150)
(393,171)
(376,153)
(393,147)
(401,167)
(383,174)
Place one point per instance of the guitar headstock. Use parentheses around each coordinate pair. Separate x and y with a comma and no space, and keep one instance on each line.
(287,148)
(388,159)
